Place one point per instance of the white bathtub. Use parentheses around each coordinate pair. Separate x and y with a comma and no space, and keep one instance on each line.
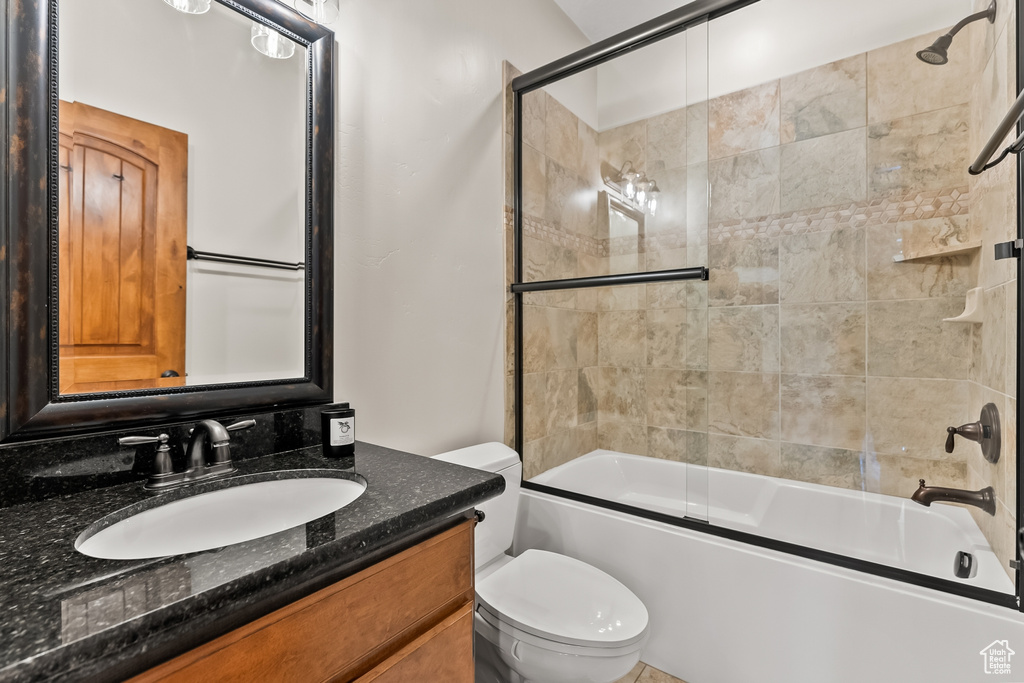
(723,611)
(896,532)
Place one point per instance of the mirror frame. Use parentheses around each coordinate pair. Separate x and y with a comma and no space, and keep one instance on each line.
(30,404)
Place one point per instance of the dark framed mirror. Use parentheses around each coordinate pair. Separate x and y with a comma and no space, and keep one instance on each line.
(51,123)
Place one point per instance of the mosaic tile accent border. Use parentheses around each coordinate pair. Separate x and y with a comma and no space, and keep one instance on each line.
(893,209)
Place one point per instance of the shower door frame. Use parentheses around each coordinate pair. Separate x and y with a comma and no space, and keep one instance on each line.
(667,25)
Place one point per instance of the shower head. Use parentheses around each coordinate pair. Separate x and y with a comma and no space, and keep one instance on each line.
(936,52)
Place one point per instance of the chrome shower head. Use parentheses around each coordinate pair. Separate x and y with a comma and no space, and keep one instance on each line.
(936,52)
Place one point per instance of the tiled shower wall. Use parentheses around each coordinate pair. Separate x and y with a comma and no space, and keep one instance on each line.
(811,354)
(994,343)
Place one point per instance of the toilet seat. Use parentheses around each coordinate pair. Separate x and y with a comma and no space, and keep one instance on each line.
(556,602)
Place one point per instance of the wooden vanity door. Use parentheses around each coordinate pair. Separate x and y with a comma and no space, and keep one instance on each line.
(122,267)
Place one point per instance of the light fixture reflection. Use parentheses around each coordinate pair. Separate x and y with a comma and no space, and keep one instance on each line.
(638,190)
(190,6)
(270,42)
(320,11)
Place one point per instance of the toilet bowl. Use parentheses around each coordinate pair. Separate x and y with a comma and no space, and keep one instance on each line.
(542,617)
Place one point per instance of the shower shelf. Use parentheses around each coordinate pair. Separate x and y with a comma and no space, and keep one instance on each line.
(934,252)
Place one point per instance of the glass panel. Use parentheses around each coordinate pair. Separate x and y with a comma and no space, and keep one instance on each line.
(844,235)
(618,374)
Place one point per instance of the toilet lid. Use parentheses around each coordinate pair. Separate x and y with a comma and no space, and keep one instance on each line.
(560,598)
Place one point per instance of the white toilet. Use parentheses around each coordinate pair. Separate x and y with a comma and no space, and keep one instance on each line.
(542,617)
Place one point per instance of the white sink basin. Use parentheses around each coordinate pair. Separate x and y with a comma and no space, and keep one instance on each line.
(218,518)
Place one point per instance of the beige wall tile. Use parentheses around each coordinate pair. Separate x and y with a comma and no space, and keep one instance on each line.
(949,276)
(679,445)
(676,398)
(587,391)
(586,438)
(547,261)
(666,338)
(1007,461)
(621,144)
(621,395)
(666,259)
(745,186)
(818,465)
(899,84)
(743,338)
(823,339)
(622,338)
(697,338)
(900,474)
(567,202)
(822,266)
(993,213)
(744,273)
(1011,339)
(588,158)
(824,100)
(549,338)
(666,141)
(561,399)
(535,182)
(586,340)
(743,404)
(824,171)
(675,295)
(993,340)
(909,416)
(667,444)
(909,339)
(744,121)
(623,437)
(623,298)
(535,105)
(823,410)
(561,134)
(535,421)
(757,456)
(922,152)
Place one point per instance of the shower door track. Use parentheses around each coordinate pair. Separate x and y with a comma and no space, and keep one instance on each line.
(667,25)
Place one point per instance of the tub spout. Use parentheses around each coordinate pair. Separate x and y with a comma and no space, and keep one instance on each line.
(984,499)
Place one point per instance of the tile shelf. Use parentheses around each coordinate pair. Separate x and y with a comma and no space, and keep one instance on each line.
(934,252)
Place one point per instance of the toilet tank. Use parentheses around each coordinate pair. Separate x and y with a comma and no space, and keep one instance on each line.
(494,534)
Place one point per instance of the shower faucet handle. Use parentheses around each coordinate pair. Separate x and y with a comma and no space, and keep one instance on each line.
(973,431)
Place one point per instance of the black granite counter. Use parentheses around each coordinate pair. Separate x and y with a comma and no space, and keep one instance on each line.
(66,616)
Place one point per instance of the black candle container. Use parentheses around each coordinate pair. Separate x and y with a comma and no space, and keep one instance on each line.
(338,429)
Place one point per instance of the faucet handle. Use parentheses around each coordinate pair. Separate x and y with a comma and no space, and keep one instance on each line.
(973,431)
(140,440)
(238,426)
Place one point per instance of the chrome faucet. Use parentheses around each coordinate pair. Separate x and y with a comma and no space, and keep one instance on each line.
(208,455)
(984,499)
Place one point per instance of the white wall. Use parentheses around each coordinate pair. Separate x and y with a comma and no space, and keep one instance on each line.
(419,330)
(197,75)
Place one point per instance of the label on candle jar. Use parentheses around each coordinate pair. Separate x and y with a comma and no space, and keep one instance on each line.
(343,431)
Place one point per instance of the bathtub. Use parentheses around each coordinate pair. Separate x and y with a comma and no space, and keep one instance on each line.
(724,611)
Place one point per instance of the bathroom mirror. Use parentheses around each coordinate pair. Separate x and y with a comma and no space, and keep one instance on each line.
(261,192)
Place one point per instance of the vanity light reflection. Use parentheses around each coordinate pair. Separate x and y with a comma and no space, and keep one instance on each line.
(190,6)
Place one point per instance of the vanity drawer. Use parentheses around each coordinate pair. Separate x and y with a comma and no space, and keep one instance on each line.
(345,630)
(444,653)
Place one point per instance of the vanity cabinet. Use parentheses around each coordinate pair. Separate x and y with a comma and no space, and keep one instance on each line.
(406,618)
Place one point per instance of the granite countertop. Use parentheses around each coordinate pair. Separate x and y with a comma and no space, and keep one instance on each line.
(67,616)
